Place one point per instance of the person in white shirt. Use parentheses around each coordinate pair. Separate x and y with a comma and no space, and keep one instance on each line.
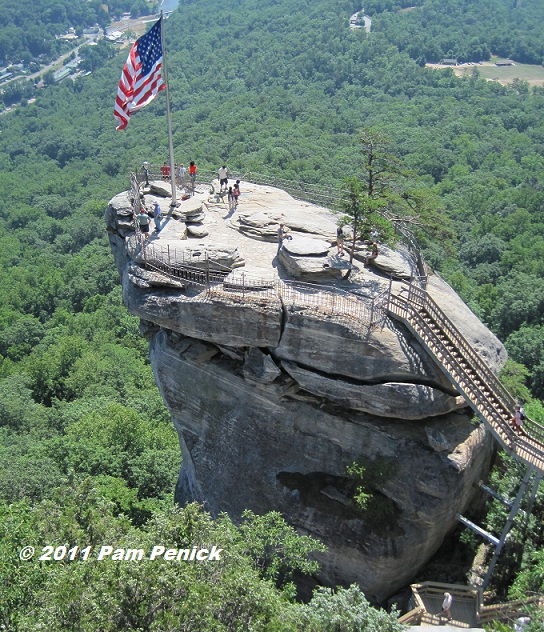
(223,178)
(446,606)
(181,174)
(521,623)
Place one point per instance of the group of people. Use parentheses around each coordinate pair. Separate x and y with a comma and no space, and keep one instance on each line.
(185,177)
(233,192)
(144,218)
(232,196)
(181,173)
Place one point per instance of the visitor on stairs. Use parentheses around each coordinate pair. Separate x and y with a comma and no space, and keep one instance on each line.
(446,606)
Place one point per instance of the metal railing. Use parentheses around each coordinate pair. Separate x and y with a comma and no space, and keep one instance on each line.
(319,301)
(422,299)
(196,268)
(314,193)
(482,389)
(509,610)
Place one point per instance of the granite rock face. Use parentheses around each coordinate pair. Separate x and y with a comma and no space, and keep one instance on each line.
(276,386)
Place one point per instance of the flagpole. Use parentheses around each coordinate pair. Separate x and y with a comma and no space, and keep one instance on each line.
(168,119)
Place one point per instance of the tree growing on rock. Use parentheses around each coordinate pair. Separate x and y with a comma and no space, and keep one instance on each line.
(388,198)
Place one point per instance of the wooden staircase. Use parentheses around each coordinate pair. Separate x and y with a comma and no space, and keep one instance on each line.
(481,388)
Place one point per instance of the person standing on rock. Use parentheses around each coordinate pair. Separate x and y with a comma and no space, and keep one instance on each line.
(143,221)
(145,167)
(230,199)
(182,171)
(236,194)
(165,171)
(282,234)
(373,253)
(192,175)
(446,606)
(340,241)
(223,178)
(157,216)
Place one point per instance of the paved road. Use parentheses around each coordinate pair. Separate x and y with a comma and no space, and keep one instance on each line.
(54,65)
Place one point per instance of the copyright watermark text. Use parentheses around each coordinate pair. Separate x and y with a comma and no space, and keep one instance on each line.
(107,552)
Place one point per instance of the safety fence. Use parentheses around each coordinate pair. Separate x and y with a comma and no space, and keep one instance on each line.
(196,268)
(314,193)
(318,301)
(481,388)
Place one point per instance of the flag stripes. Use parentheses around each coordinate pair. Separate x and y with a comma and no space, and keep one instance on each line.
(141,78)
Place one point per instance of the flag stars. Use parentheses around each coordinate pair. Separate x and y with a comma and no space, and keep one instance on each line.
(141,79)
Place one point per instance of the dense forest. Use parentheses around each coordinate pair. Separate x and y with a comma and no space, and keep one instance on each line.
(280,88)
(463,29)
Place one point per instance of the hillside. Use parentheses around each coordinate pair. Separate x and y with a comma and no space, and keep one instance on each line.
(278,88)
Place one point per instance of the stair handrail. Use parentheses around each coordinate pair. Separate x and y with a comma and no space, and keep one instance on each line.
(422,298)
(498,415)
(498,388)
(507,431)
(493,417)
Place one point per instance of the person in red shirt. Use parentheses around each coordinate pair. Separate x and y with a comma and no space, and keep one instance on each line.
(192,174)
(165,171)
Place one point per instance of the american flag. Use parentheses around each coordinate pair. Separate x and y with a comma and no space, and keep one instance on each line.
(141,79)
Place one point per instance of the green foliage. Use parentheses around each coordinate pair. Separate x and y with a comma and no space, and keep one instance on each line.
(513,375)
(356,471)
(388,195)
(275,548)
(345,609)
(464,30)
(227,594)
(526,345)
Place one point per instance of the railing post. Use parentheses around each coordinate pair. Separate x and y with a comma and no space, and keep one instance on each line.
(243,285)
(207,271)
(389,292)
(169,256)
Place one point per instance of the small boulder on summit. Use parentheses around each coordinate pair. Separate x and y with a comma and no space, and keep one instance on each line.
(196,230)
(306,246)
(160,188)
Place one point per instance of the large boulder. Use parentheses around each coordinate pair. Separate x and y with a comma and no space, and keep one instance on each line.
(292,452)
(289,382)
